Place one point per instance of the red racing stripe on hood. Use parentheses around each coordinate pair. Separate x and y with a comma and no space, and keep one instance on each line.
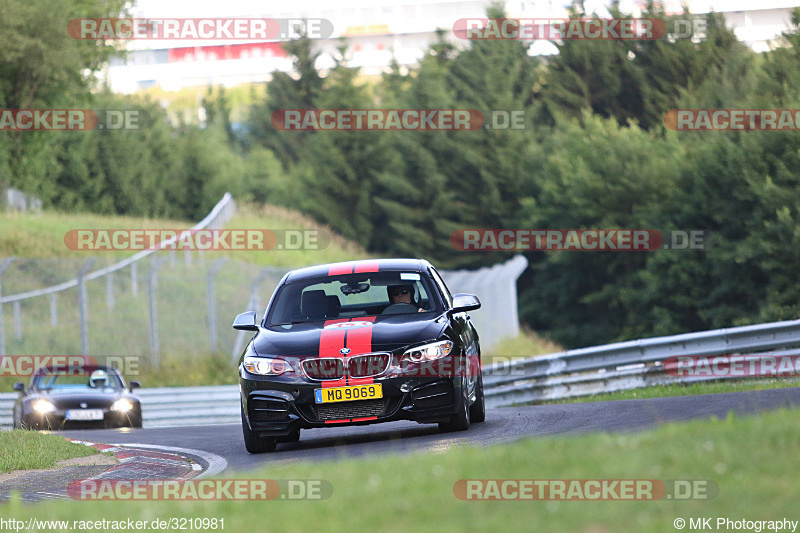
(359,340)
(331,341)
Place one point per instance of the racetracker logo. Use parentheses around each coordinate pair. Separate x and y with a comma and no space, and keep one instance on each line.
(733,119)
(585,489)
(379,120)
(26,365)
(72,119)
(71,365)
(201,490)
(229,29)
(626,240)
(95,240)
(733,366)
(559,29)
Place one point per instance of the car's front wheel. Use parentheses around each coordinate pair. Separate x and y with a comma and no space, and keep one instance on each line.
(460,420)
(136,420)
(252,442)
(477,411)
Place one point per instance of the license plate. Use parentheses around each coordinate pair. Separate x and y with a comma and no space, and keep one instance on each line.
(348,394)
(85,414)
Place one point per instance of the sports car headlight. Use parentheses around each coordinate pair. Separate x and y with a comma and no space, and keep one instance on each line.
(121,405)
(429,352)
(265,366)
(44,406)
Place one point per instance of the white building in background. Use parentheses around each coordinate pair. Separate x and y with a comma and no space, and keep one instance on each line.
(376,30)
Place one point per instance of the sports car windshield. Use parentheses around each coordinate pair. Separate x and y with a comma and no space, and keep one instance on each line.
(353,295)
(77,383)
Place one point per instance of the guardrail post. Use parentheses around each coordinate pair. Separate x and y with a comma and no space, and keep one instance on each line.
(83,305)
(151,296)
(110,290)
(212,304)
(53,310)
(3,266)
(134,280)
(17,321)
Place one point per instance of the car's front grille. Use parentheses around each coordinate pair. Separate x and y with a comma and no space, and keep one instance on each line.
(345,410)
(324,368)
(362,366)
(358,366)
(267,410)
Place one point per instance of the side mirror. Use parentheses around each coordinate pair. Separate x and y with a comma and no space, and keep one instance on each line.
(246,322)
(19,387)
(465,302)
(133,385)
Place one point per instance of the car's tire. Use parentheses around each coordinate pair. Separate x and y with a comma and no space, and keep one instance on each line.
(477,411)
(252,442)
(136,420)
(459,421)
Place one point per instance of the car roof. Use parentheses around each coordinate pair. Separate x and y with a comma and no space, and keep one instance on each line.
(357,267)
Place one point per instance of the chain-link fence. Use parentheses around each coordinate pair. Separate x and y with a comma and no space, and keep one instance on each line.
(178,302)
(168,303)
(174,302)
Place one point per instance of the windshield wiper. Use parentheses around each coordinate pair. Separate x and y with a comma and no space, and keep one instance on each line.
(292,323)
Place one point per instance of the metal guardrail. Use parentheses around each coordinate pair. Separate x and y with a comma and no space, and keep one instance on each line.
(611,367)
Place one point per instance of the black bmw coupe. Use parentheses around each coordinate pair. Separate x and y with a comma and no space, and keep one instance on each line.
(93,396)
(360,342)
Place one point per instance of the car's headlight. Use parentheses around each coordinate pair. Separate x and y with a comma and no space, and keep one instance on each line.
(429,352)
(44,406)
(265,366)
(122,405)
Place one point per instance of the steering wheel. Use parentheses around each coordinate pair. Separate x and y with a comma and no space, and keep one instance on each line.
(399,309)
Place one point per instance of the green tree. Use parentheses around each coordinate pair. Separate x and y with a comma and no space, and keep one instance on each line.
(41,66)
(299,89)
(637,80)
(338,168)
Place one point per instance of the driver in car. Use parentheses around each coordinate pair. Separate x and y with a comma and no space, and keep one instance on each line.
(403,294)
(98,379)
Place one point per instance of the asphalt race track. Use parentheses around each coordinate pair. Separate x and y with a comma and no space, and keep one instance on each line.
(504,424)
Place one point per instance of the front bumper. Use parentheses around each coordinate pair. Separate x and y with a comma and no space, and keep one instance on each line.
(276,407)
(58,420)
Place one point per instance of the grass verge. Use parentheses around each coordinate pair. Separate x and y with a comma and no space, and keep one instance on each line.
(682,389)
(31,450)
(750,459)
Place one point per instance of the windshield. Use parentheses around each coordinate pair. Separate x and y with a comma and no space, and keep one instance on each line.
(353,295)
(98,381)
